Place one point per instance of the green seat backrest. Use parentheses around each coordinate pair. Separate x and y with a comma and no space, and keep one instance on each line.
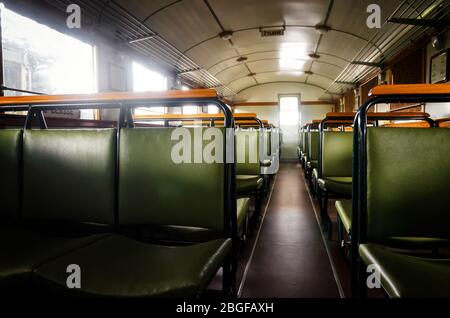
(267,142)
(10,162)
(155,190)
(69,175)
(313,145)
(247,152)
(337,148)
(300,139)
(304,135)
(408,182)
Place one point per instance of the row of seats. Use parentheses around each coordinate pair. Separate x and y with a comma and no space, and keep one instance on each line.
(114,203)
(405,224)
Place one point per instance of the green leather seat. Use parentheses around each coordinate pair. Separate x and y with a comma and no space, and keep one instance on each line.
(411,194)
(57,164)
(408,276)
(408,177)
(121,267)
(336,174)
(180,199)
(313,149)
(248,167)
(247,184)
(344,209)
(242,210)
(23,250)
(339,185)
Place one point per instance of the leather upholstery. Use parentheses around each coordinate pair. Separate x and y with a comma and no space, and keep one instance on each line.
(69,175)
(247,148)
(154,190)
(337,151)
(23,250)
(408,177)
(408,276)
(344,209)
(246,184)
(338,185)
(10,157)
(313,146)
(242,210)
(142,270)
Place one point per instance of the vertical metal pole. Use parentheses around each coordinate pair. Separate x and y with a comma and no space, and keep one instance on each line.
(2,82)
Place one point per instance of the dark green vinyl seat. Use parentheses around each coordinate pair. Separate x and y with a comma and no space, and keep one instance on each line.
(183,202)
(157,192)
(22,250)
(408,177)
(344,210)
(336,173)
(248,167)
(247,184)
(312,155)
(408,276)
(59,167)
(121,267)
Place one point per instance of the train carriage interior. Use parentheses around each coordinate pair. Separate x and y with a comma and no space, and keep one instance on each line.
(232,152)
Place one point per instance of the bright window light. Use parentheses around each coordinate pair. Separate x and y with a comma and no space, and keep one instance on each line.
(190,110)
(145,80)
(289,111)
(212,109)
(40,59)
(185,88)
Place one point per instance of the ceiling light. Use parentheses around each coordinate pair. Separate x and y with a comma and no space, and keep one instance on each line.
(226,35)
(314,56)
(242,59)
(322,28)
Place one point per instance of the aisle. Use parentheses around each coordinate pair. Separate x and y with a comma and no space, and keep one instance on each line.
(290,258)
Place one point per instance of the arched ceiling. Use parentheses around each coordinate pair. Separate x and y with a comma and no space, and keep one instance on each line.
(187,37)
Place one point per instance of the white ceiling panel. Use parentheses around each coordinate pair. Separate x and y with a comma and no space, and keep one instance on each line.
(242,83)
(239,14)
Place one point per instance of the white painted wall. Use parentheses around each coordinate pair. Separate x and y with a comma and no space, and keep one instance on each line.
(270,92)
(269,113)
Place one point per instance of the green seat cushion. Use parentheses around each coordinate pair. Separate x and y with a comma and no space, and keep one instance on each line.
(23,250)
(408,276)
(242,210)
(338,185)
(344,209)
(248,184)
(121,267)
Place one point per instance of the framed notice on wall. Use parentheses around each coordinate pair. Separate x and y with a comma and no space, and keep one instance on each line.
(439,67)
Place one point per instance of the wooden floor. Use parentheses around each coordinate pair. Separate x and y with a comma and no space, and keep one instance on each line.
(289,258)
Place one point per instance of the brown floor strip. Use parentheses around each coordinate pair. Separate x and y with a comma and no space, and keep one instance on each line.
(290,259)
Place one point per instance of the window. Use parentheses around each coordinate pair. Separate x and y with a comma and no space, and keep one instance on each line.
(289,111)
(212,109)
(40,59)
(145,80)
